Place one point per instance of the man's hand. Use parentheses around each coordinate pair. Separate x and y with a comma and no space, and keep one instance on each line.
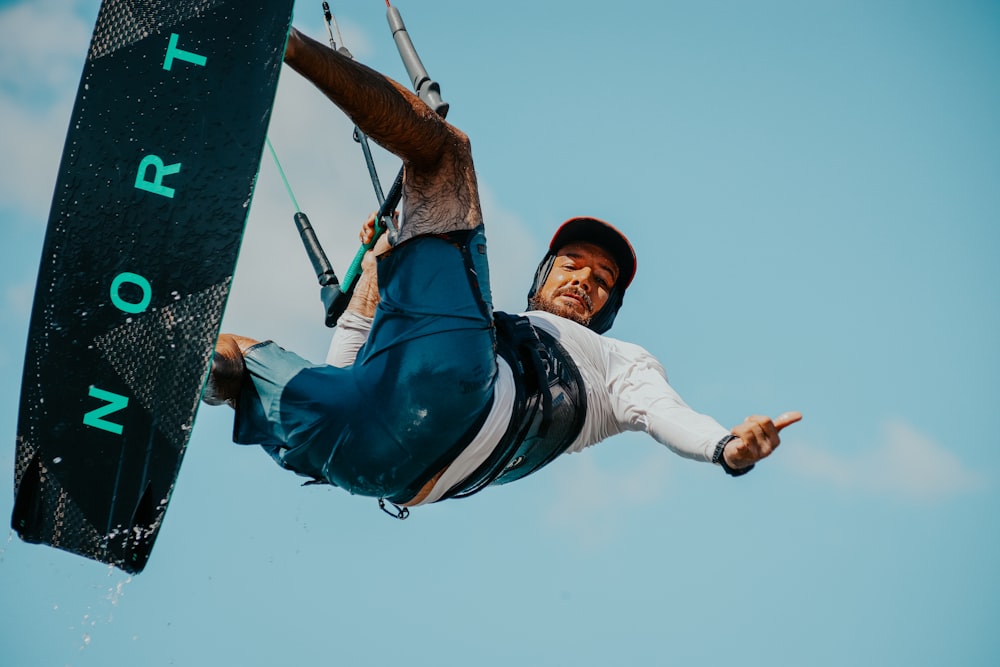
(366,235)
(757,437)
(366,296)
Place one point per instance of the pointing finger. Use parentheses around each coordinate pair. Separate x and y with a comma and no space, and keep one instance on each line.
(787,419)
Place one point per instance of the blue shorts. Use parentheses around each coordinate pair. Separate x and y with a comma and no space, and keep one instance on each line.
(418,390)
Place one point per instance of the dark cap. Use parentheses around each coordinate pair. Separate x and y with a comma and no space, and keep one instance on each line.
(600,233)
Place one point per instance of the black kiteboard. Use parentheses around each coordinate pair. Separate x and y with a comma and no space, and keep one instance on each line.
(149,210)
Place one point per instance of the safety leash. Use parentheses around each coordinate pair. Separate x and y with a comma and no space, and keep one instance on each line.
(329,285)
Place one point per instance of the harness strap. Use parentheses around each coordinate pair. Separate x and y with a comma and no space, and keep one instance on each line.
(540,366)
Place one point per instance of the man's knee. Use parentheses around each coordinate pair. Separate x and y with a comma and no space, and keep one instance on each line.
(424,276)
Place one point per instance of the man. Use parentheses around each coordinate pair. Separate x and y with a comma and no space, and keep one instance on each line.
(429,394)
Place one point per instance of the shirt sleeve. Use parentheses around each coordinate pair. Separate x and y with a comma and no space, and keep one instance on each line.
(349,335)
(643,400)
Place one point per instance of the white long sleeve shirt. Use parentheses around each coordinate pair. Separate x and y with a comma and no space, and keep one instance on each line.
(627,390)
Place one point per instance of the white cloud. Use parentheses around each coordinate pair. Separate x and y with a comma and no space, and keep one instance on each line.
(16,309)
(42,52)
(41,59)
(514,253)
(17,300)
(903,462)
(351,35)
(590,499)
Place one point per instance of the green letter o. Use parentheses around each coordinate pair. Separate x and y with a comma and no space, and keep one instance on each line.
(135,279)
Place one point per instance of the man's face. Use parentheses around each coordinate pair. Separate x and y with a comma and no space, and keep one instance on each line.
(579,283)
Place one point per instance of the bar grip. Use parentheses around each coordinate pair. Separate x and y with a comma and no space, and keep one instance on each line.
(321,264)
(428,90)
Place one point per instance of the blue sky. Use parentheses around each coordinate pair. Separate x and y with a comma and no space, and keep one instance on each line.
(812,191)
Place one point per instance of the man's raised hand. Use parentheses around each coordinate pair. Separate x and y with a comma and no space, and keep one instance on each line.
(757,437)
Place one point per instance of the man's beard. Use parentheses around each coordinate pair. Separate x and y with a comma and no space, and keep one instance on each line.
(549,305)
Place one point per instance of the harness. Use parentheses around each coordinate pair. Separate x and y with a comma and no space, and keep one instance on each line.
(550,405)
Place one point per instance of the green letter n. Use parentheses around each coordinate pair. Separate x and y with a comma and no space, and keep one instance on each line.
(95,418)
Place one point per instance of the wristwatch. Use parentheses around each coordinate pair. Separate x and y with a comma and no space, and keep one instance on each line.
(717,457)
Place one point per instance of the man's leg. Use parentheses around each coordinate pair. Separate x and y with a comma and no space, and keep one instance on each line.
(441,193)
(414,397)
(425,378)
